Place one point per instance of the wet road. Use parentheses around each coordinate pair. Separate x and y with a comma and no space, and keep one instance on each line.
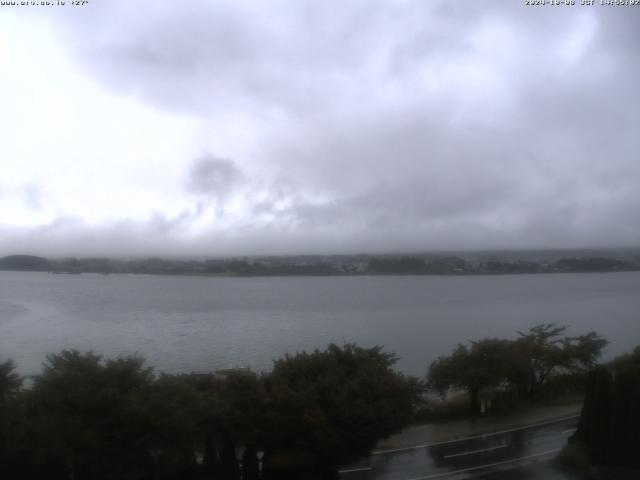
(521,451)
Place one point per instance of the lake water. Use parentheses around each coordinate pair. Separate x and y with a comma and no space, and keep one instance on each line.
(202,323)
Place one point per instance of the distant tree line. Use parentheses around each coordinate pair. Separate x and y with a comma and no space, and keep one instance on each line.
(593,265)
(84,417)
(313,266)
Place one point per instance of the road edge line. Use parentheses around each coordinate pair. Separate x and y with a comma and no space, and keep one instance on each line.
(480,435)
(488,465)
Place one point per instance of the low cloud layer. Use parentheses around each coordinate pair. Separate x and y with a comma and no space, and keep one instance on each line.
(331,127)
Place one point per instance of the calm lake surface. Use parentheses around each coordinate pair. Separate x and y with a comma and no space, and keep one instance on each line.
(201,323)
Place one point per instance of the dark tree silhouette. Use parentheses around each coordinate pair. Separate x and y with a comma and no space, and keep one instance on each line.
(210,456)
(609,426)
(89,418)
(331,406)
(10,381)
(250,464)
(229,468)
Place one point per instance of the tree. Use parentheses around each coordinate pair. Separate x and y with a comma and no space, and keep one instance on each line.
(11,418)
(210,455)
(542,352)
(90,418)
(232,411)
(524,364)
(329,407)
(174,413)
(96,419)
(609,427)
(250,464)
(228,468)
(483,364)
(10,381)
(236,406)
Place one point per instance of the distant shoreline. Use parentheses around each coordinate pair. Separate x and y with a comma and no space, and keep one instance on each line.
(325,266)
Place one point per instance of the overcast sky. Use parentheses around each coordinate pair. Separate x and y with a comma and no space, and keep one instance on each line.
(252,127)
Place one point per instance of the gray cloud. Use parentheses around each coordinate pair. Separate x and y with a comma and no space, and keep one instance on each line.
(392,125)
(213,177)
(33,196)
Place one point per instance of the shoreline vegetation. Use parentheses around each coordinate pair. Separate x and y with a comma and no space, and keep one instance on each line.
(92,418)
(494,263)
(606,444)
(87,417)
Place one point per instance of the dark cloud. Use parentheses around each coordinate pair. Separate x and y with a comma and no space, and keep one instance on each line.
(213,177)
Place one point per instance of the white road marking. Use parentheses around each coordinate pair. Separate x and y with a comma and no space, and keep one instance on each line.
(482,435)
(488,465)
(566,432)
(352,470)
(471,452)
